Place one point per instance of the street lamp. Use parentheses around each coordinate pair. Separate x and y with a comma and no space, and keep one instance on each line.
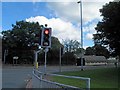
(80,2)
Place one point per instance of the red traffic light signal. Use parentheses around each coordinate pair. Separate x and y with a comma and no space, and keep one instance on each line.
(46,31)
(46,37)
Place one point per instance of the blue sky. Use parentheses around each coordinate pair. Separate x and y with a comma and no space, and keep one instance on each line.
(63,17)
(16,11)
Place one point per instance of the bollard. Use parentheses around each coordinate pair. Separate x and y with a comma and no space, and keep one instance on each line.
(36,65)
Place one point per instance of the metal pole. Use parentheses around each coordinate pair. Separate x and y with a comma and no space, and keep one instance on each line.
(36,57)
(60,61)
(35,63)
(45,62)
(88,84)
(4,56)
(46,50)
(41,81)
(81,35)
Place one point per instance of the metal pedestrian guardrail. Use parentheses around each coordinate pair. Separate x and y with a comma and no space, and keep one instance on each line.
(39,80)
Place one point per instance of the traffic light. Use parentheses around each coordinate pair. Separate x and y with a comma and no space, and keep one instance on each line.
(46,37)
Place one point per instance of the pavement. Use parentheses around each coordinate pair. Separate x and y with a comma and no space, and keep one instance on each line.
(29,84)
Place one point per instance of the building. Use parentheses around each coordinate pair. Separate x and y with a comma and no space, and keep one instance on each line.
(93,60)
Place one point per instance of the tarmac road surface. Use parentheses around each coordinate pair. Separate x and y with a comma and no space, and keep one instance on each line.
(15,76)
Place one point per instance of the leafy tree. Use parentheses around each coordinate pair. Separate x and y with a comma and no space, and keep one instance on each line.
(71,45)
(22,36)
(72,49)
(21,39)
(101,51)
(89,51)
(53,54)
(97,50)
(108,30)
(55,43)
(68,59)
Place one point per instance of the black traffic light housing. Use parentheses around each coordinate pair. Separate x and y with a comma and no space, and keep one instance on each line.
(46,37)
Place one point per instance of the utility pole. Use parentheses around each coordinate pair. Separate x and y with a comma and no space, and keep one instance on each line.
(80,2)
(60,60)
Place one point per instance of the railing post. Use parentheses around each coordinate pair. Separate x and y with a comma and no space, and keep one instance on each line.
(88,84)
(41,81)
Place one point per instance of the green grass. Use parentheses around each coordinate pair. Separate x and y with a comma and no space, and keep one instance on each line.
(100,78)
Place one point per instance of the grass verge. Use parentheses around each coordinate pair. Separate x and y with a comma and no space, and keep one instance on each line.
(100,78)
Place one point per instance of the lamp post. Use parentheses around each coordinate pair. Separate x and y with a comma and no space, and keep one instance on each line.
(80,2)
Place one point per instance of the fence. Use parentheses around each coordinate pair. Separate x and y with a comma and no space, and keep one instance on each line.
(40,81)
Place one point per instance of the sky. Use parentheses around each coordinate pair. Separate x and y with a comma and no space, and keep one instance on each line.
(63,16)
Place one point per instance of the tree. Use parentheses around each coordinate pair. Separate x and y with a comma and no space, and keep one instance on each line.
(53,54)
(97,50)
(108,30)
(71,45)
(21,39)
(68,59)
(55,43)
(100,51)
(72,50)
(89,51)
(22,36)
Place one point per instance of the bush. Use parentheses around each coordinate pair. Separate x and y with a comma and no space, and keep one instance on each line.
(68,59)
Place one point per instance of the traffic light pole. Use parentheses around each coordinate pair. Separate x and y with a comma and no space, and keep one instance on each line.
(36,57)
(46,50)
(46,42)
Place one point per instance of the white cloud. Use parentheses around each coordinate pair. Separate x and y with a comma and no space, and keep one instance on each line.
(89,36)
(60,29)
(70,11)
(65,10)
(89,29)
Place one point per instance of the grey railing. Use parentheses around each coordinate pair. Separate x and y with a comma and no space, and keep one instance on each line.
(39,81)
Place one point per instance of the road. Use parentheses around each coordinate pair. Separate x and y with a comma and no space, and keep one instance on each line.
(16,76)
